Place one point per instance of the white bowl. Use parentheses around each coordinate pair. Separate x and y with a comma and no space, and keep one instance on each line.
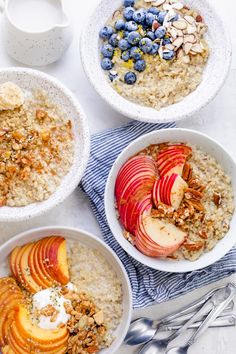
(29,79)
(208,145)
(214,75)
(91,241)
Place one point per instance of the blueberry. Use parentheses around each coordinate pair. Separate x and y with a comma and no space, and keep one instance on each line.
(106,32)
(149,19)
(131,26)
(120,25)
(161,16)
(130,78)
(129,3)
(166,41)
(133,38)
(114,40)
(128,13)
(145,44)
(139,15)
(123,44)
(107,50)
(154,11)
(125,55)
(151,35)
(135,53)
(140,65)
(155,48)
(169,55)
(160,32)
(125,34)
(106,64)
(112,75)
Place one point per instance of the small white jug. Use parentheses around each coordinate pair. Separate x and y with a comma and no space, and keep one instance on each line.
(35,32)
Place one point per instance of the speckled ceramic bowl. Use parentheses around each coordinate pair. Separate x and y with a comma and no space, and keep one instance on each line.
(29,79)
(209,146)
(214,76)
(72,234)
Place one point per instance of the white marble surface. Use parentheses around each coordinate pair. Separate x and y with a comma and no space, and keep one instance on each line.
(218,120)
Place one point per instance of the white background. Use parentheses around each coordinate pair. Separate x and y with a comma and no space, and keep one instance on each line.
(218,120)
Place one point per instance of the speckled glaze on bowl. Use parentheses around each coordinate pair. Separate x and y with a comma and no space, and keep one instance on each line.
(30,79)
(208,145)
(214,75)
(88,240)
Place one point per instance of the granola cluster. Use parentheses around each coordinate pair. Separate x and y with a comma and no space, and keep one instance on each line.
(86,325)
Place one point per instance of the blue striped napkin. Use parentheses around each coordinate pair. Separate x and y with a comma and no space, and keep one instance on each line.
(148,285)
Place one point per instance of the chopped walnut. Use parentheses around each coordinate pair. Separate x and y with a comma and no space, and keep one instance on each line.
(217,198)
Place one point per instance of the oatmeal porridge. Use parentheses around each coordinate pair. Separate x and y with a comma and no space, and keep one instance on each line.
(174,200)
(37,149)
(154,53)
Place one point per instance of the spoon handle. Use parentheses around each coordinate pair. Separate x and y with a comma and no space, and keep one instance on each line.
(223,321)
(219,304)
(186,309)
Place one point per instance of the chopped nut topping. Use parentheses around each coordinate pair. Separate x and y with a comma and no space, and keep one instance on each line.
(217,199)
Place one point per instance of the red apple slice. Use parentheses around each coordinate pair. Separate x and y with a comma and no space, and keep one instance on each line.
(169,190)
(157,238)
(180,147)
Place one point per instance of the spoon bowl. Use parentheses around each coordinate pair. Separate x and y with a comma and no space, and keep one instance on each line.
(140,331)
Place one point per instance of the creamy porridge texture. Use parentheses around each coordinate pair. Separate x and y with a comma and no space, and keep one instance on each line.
(154,52)
(174,200)
(37,150)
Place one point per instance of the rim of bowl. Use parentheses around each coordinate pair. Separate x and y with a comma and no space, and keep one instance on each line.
(188,265)
(128,314)
(139,114)
(85,153)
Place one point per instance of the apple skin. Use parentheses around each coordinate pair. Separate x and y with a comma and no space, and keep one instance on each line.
(147,246)
(171,158)
(169,190)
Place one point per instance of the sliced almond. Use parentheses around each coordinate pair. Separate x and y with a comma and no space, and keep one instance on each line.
(180,24)
(197,48)
(158,2)
(167,7)
(180,33)
(173,32)
(171,14)
(187,47)
(191,29)
(189,38)
(160,52)
(185,59)
(169,46)
(178,42)
(190,19)
(177,6)
(180,53)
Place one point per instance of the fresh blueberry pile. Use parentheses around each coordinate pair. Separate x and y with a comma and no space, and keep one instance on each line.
(139,32)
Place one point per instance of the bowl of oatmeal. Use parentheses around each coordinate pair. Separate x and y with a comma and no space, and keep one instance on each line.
(73,293)
(44,143)
(170,200)
(156,61)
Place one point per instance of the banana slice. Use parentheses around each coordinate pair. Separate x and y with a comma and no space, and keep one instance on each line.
(11,96)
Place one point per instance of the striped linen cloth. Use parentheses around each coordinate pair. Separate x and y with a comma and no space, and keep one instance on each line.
(148,285)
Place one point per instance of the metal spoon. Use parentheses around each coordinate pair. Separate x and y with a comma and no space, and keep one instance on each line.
(219,303)
(144,329)
(159,345)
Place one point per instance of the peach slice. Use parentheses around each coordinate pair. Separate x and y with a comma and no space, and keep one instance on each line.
(40,255)
(39,278)
(27,280)
(42,336)
(57,256)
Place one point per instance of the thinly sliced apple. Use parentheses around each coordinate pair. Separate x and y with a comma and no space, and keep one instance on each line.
(187,150)
(169,190)
(156,238)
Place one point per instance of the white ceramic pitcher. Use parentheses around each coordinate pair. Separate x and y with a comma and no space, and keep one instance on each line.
(35,32)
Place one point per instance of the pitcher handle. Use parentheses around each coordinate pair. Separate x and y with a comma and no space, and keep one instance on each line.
(2,5)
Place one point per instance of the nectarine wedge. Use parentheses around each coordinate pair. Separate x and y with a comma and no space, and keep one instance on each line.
(58,264)
(36,273)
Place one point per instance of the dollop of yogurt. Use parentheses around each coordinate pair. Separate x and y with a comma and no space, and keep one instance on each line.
(51,296)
